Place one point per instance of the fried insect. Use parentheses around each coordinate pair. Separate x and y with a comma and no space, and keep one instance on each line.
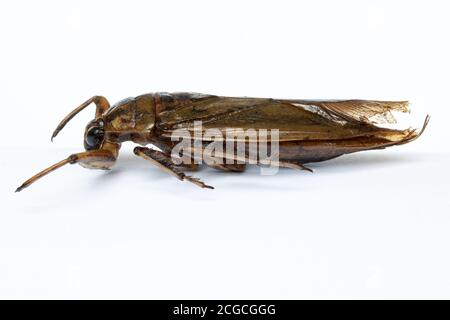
(308,130)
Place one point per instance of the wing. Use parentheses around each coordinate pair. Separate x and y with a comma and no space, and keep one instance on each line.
(296,120)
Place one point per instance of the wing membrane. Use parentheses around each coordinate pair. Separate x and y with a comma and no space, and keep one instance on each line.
(295,119)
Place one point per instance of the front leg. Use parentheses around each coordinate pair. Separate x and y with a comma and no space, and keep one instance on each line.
(164,162)
(101,106)
(95,159)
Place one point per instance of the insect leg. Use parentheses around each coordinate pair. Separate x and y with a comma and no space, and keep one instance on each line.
(101,105)
(164,162)
(166,148)
(96,159)
(188,167)
(294,165)
(228,167)
(231,156)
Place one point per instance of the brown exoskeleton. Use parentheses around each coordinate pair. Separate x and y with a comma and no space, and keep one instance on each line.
(309,130)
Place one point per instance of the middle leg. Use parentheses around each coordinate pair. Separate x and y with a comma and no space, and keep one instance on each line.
(164,162)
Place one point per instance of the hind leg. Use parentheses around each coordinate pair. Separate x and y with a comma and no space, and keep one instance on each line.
(293,165)
(228,167)
(239,167)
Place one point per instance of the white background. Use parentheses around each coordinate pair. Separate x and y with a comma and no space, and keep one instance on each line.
(369,225)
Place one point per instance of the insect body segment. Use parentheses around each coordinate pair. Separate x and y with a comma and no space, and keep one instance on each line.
(307,130)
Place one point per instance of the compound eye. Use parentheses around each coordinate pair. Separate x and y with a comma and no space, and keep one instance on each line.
(94,138)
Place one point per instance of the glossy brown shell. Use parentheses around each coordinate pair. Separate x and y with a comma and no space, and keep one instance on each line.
(309,130)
